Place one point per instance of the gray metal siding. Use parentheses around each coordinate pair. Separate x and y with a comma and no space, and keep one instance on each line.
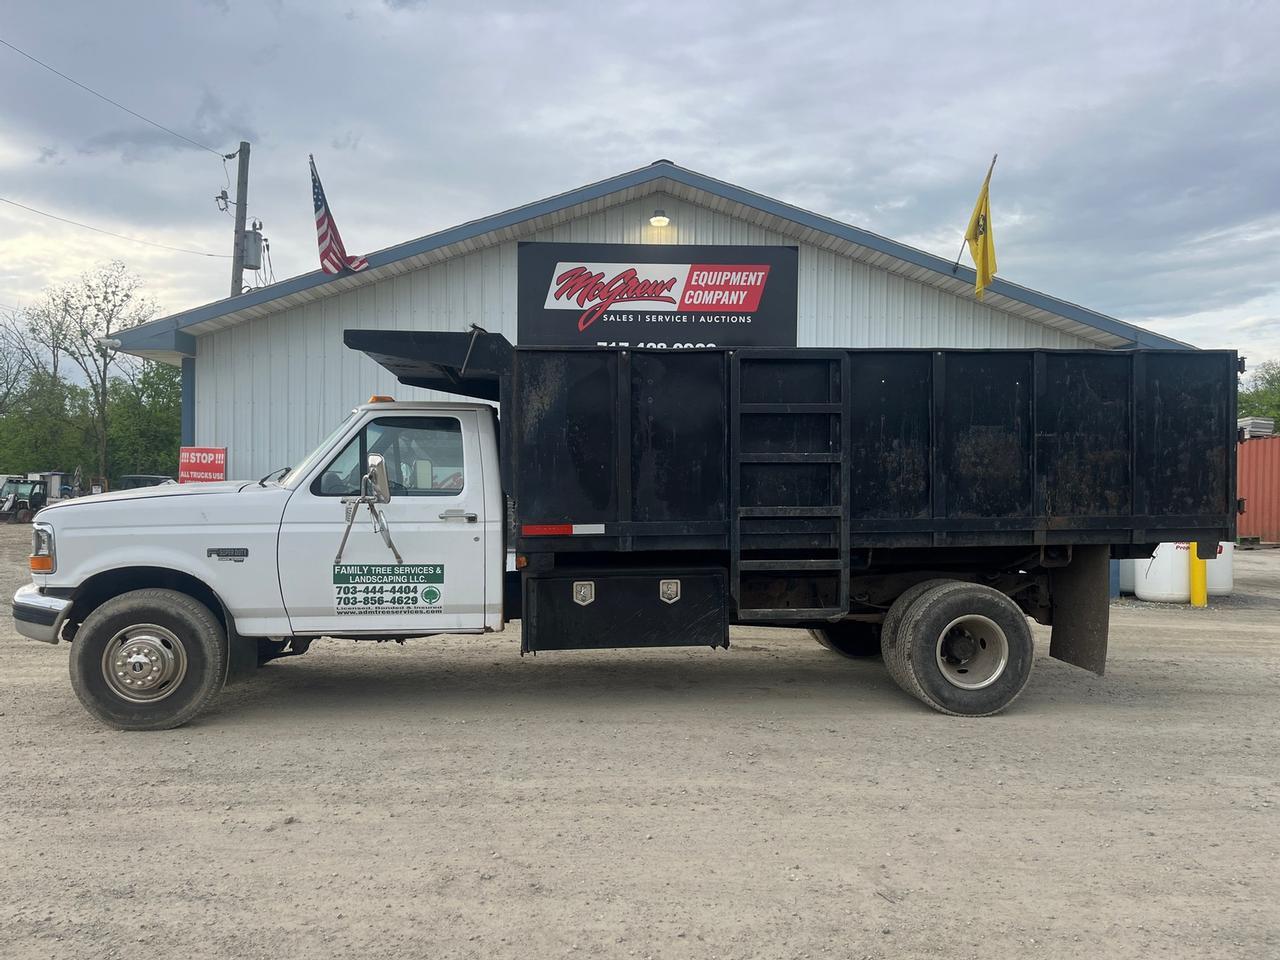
(270,388)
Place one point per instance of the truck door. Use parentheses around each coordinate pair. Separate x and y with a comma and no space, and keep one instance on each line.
(435,518)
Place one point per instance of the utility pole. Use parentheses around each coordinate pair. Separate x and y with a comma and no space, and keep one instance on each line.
(242,204)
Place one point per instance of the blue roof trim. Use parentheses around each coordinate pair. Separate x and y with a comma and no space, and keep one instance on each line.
(141,337)
(145,338)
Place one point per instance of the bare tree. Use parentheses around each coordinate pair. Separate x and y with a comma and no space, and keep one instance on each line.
(29,354)
(13,365)
(76,322)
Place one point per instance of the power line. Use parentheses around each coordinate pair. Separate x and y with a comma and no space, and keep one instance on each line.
(118,236)
(114,103)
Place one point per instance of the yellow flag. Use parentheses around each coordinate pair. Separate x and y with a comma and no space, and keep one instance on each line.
(981,241)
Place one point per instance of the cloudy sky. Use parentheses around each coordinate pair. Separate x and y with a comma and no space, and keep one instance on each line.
(1139,145)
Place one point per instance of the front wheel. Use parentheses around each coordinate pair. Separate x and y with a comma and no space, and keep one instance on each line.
(148,660)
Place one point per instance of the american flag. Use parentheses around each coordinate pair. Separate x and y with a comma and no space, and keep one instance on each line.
(333,255)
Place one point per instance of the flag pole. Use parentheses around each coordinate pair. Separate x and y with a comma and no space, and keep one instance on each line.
(963,240)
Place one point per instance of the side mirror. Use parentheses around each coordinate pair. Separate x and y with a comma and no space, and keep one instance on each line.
(375,481)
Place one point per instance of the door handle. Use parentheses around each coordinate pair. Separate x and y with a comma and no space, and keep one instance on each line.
(459,514)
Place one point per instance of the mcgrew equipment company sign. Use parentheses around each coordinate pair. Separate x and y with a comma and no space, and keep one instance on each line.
(646,295)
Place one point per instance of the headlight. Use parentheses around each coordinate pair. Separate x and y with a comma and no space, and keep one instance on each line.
(43,558)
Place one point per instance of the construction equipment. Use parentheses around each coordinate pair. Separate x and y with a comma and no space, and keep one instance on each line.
(20,498)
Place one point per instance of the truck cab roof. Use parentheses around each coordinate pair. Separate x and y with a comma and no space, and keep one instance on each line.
(422,406)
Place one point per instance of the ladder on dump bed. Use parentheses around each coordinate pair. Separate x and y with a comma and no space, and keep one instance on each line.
(788,489)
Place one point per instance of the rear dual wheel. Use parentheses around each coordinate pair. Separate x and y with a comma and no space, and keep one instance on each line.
(850,638)
(960,648)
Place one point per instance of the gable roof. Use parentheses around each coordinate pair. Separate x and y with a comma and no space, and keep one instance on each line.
(172,337)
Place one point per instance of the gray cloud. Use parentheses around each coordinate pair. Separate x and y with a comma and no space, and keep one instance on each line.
(213,122)
(348,141)
(1137,142)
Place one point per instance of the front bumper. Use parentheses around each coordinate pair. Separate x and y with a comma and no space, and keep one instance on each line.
(38,616)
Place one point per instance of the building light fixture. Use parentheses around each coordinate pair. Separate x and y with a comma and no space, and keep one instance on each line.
(659,219)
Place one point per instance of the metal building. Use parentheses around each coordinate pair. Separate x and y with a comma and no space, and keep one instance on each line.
(265,373)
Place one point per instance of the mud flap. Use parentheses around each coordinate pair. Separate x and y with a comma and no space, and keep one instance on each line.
(242,656)
(1082,608)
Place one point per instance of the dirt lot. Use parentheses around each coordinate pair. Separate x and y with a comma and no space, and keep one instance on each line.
(450,799)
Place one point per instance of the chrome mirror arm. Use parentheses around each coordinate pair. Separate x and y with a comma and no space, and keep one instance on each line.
(353,505)
(379,525)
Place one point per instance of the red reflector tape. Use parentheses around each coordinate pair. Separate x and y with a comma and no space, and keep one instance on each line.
(561,529)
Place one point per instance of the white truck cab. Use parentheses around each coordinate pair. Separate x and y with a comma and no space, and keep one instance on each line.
(392,527)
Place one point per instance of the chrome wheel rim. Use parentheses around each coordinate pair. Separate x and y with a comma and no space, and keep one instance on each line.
(972,652)
(144,663)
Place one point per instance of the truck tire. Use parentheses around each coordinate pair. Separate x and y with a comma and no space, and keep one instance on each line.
(967,648)
(895,659)
(850,638)
(148,660)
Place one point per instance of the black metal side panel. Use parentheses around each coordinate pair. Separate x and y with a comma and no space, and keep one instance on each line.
(625,609)
(1083,428)
(807,378)
(789,442)
(986,439)
(1038,447)
(889,461)
(567,444)
(678,459)
(1189,440)
(788,433)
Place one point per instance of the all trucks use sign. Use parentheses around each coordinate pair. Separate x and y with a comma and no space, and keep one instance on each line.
(656,295)
(396,588)
(202,464)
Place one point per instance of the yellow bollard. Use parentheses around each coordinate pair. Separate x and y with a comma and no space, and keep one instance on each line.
(1199,577)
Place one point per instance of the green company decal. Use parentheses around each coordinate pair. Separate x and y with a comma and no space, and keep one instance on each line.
(379,588)
(388,573)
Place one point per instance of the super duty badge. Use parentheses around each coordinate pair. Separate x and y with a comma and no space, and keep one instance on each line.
(234,554)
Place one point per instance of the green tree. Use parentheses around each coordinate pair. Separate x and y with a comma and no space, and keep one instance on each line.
(46,426)
(1260,395)
(145,417)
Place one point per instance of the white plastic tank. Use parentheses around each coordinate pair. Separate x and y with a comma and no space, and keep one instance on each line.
(1219,572)
(1166,577)
(1128,570)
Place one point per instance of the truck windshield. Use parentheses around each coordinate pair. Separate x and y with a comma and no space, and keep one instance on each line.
(303,468)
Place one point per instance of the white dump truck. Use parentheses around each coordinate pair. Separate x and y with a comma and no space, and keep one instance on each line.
(912,503)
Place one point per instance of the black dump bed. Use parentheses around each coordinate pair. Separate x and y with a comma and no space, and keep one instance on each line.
(789,449)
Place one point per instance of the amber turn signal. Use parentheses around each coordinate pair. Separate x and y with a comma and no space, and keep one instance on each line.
(42,564)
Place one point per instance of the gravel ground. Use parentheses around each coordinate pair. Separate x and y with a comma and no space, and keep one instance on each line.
(450,799)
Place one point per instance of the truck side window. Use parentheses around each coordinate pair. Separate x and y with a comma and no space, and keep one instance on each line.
(341,478)
(423,455)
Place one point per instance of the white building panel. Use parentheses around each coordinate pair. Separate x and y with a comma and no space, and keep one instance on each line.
(270,388)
